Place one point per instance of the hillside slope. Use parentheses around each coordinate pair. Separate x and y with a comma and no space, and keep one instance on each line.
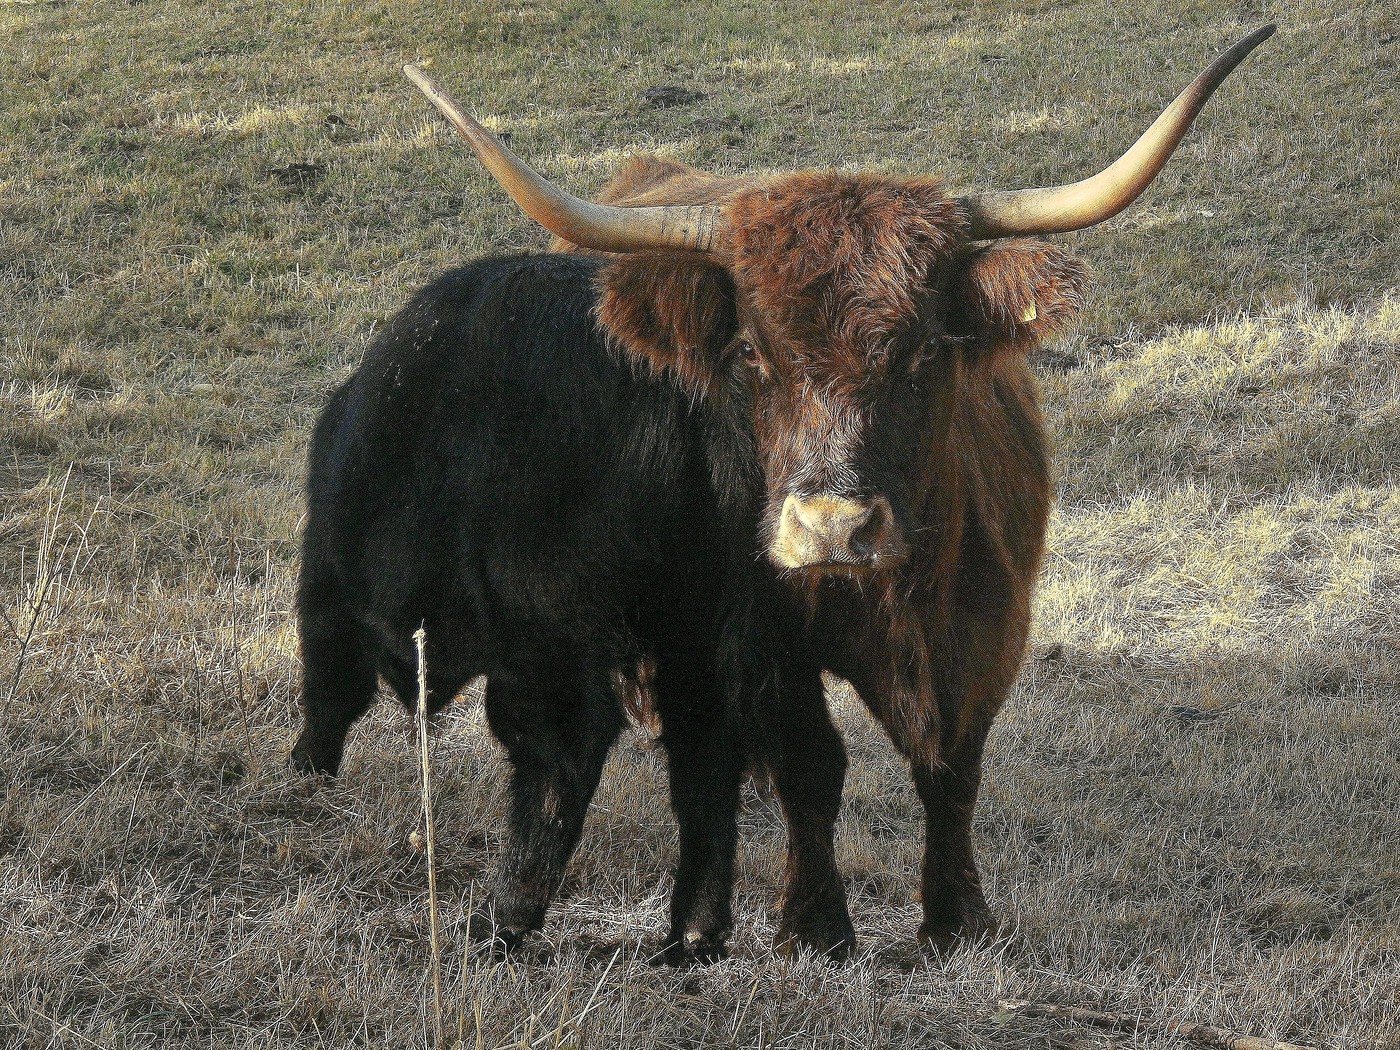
(1191,802)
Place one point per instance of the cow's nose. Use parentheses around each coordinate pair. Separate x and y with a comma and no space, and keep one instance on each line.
(833,530)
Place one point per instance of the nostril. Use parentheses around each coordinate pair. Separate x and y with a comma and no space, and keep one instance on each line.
(803,514)
(868,535)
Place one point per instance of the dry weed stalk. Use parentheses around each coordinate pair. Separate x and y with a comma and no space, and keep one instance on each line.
(48,579)
(1203,1034)
(573,1021)
(420,639)
(466,990)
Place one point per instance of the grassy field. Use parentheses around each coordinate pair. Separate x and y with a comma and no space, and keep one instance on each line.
(1192,803)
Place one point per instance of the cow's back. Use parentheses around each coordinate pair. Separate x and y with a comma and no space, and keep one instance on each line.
(494,470)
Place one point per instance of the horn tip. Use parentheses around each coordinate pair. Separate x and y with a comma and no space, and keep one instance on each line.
(1237,54)
(1261,34)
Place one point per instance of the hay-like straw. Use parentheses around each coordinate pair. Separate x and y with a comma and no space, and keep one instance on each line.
(420,639)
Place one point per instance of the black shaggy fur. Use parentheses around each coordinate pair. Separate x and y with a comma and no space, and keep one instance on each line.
(495,473)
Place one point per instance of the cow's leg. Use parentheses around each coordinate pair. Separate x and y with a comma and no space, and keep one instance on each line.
(705,764)
(954,906)
(338,680)
(807,764)
(947,774)
(557,736)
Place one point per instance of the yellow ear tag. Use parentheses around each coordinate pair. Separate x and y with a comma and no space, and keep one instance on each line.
(1030,314)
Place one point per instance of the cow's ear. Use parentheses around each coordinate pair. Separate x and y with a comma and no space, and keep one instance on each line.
(670,311)
(1015,293)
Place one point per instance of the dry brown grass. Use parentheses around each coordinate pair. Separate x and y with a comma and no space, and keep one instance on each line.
(1192,800)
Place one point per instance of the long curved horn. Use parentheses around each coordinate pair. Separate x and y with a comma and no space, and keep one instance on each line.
(1056,209)
(604,228)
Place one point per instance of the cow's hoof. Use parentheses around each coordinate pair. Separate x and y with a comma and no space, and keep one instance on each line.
(833,943)
(505,943)
(694,949)
(309,758)
(500,941)
(306,764)
(671,953)
(823,931)
(975,927)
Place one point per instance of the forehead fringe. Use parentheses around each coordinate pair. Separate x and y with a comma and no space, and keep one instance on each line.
(836,260)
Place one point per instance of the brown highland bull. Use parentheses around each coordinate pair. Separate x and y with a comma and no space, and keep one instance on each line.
(861,340)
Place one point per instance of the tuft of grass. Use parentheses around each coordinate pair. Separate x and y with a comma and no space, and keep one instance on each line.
(1190,803)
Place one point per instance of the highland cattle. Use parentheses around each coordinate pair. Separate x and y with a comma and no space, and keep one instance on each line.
(739,430)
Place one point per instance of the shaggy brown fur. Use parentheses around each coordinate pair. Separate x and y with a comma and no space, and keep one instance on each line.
(646,180)
(1023,291)
(663,306)
(837,262)
(885,356)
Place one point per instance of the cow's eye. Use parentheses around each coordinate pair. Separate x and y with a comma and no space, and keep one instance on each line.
(920,360)
(748,353)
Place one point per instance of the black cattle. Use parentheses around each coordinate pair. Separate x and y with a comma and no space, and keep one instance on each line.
(496,474)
